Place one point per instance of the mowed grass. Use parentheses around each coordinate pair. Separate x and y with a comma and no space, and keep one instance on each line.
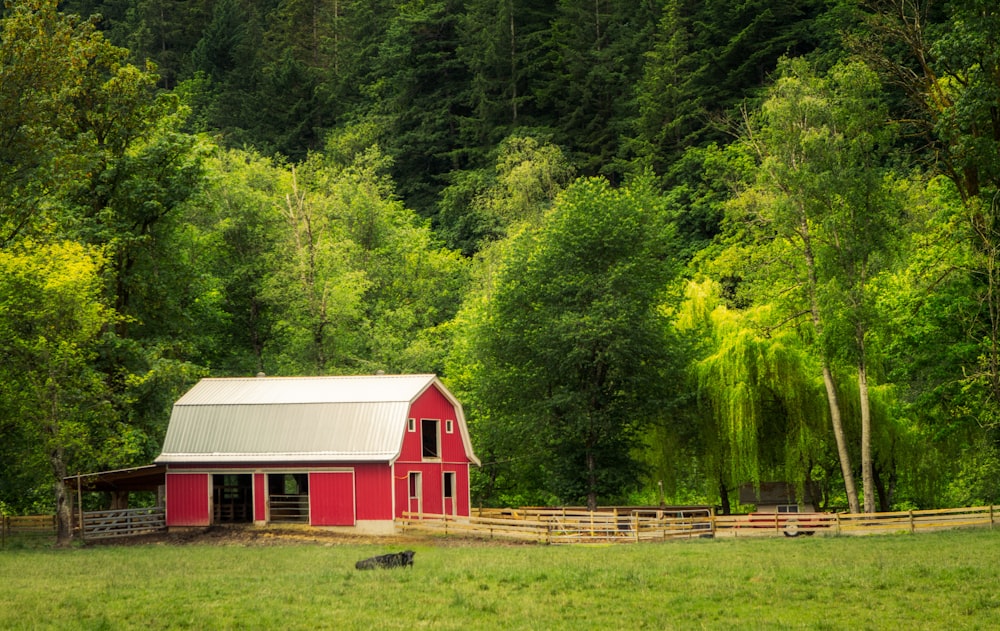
(927,581)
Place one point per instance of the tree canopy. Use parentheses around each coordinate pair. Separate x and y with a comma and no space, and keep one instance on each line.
(668,244)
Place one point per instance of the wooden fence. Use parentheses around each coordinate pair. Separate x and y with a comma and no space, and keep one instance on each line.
(635,525)
(565,525)
(96,524)
(11,525)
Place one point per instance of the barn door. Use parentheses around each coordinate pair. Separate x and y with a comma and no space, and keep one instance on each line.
(416,493)
(448,492)
(331,498)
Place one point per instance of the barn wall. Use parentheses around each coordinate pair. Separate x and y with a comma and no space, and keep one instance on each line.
(433,405)
(188,499)
(432,491)
(259,499)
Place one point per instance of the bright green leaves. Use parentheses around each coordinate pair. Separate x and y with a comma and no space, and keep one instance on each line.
(324,270)
(824,213)
(763,400)
(51,319)
(573,351)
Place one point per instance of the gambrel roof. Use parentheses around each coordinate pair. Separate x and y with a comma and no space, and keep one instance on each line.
(297,419)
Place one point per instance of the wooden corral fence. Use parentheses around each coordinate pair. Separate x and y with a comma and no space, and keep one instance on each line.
(11,525)
(124,522)
(96,524)
(650,524)
(566,525)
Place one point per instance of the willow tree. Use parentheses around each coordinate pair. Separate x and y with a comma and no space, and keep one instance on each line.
(824,208)
(759,391)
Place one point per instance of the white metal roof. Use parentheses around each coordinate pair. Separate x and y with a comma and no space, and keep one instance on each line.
(297,419)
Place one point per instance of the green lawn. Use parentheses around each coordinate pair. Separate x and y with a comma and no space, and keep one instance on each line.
(928,581)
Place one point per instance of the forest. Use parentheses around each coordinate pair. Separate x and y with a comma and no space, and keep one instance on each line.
(658,248)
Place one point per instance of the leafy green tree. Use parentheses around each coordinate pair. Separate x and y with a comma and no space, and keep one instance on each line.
(571,359)
(51,319)
(822,190)
(763,404)
(41,54)
(237,219)
(946,61)
(479,206)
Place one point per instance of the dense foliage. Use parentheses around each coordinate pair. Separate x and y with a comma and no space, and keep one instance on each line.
(659,249)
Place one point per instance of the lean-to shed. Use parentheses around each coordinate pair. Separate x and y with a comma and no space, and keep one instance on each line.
(351,451)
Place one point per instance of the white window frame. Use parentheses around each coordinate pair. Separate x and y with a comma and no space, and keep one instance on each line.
(424,423)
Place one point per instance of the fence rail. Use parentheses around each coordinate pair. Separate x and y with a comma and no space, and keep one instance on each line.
(641,524)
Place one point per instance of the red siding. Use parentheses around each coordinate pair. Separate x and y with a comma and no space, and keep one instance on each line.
(331,498)
(433,405)
(187,499)
(259,498)
(373,488)
(462,489)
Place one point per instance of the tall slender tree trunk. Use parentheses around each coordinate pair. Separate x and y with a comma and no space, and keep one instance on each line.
(867,478)
(831,387)
(838,434)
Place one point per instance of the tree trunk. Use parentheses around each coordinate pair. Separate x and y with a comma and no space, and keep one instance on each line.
(592,482)
(64,515)
(724,497)
(831,388)
(838,434)
(867,481)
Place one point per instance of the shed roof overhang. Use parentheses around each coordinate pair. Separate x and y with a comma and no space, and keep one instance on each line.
(145,478)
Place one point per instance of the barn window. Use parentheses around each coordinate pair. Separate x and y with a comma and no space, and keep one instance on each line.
(430,438)
(449,485)
(788,508)
(449,426)
(411,425)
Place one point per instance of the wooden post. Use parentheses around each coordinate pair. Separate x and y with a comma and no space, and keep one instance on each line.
(912,528)
(79,504)
(777,528)
(636,514)
(838,523)
(991,516)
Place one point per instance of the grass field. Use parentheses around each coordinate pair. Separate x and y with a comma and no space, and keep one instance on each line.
(931,581)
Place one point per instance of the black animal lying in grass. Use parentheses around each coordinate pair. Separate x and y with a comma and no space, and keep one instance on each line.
(385,561)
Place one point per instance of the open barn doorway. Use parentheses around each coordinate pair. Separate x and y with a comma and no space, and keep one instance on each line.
(288,497)
(232,498)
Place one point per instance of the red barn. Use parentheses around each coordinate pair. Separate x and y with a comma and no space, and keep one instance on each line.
(325,451)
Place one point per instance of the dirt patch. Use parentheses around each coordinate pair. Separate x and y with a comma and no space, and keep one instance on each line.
(253,536)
